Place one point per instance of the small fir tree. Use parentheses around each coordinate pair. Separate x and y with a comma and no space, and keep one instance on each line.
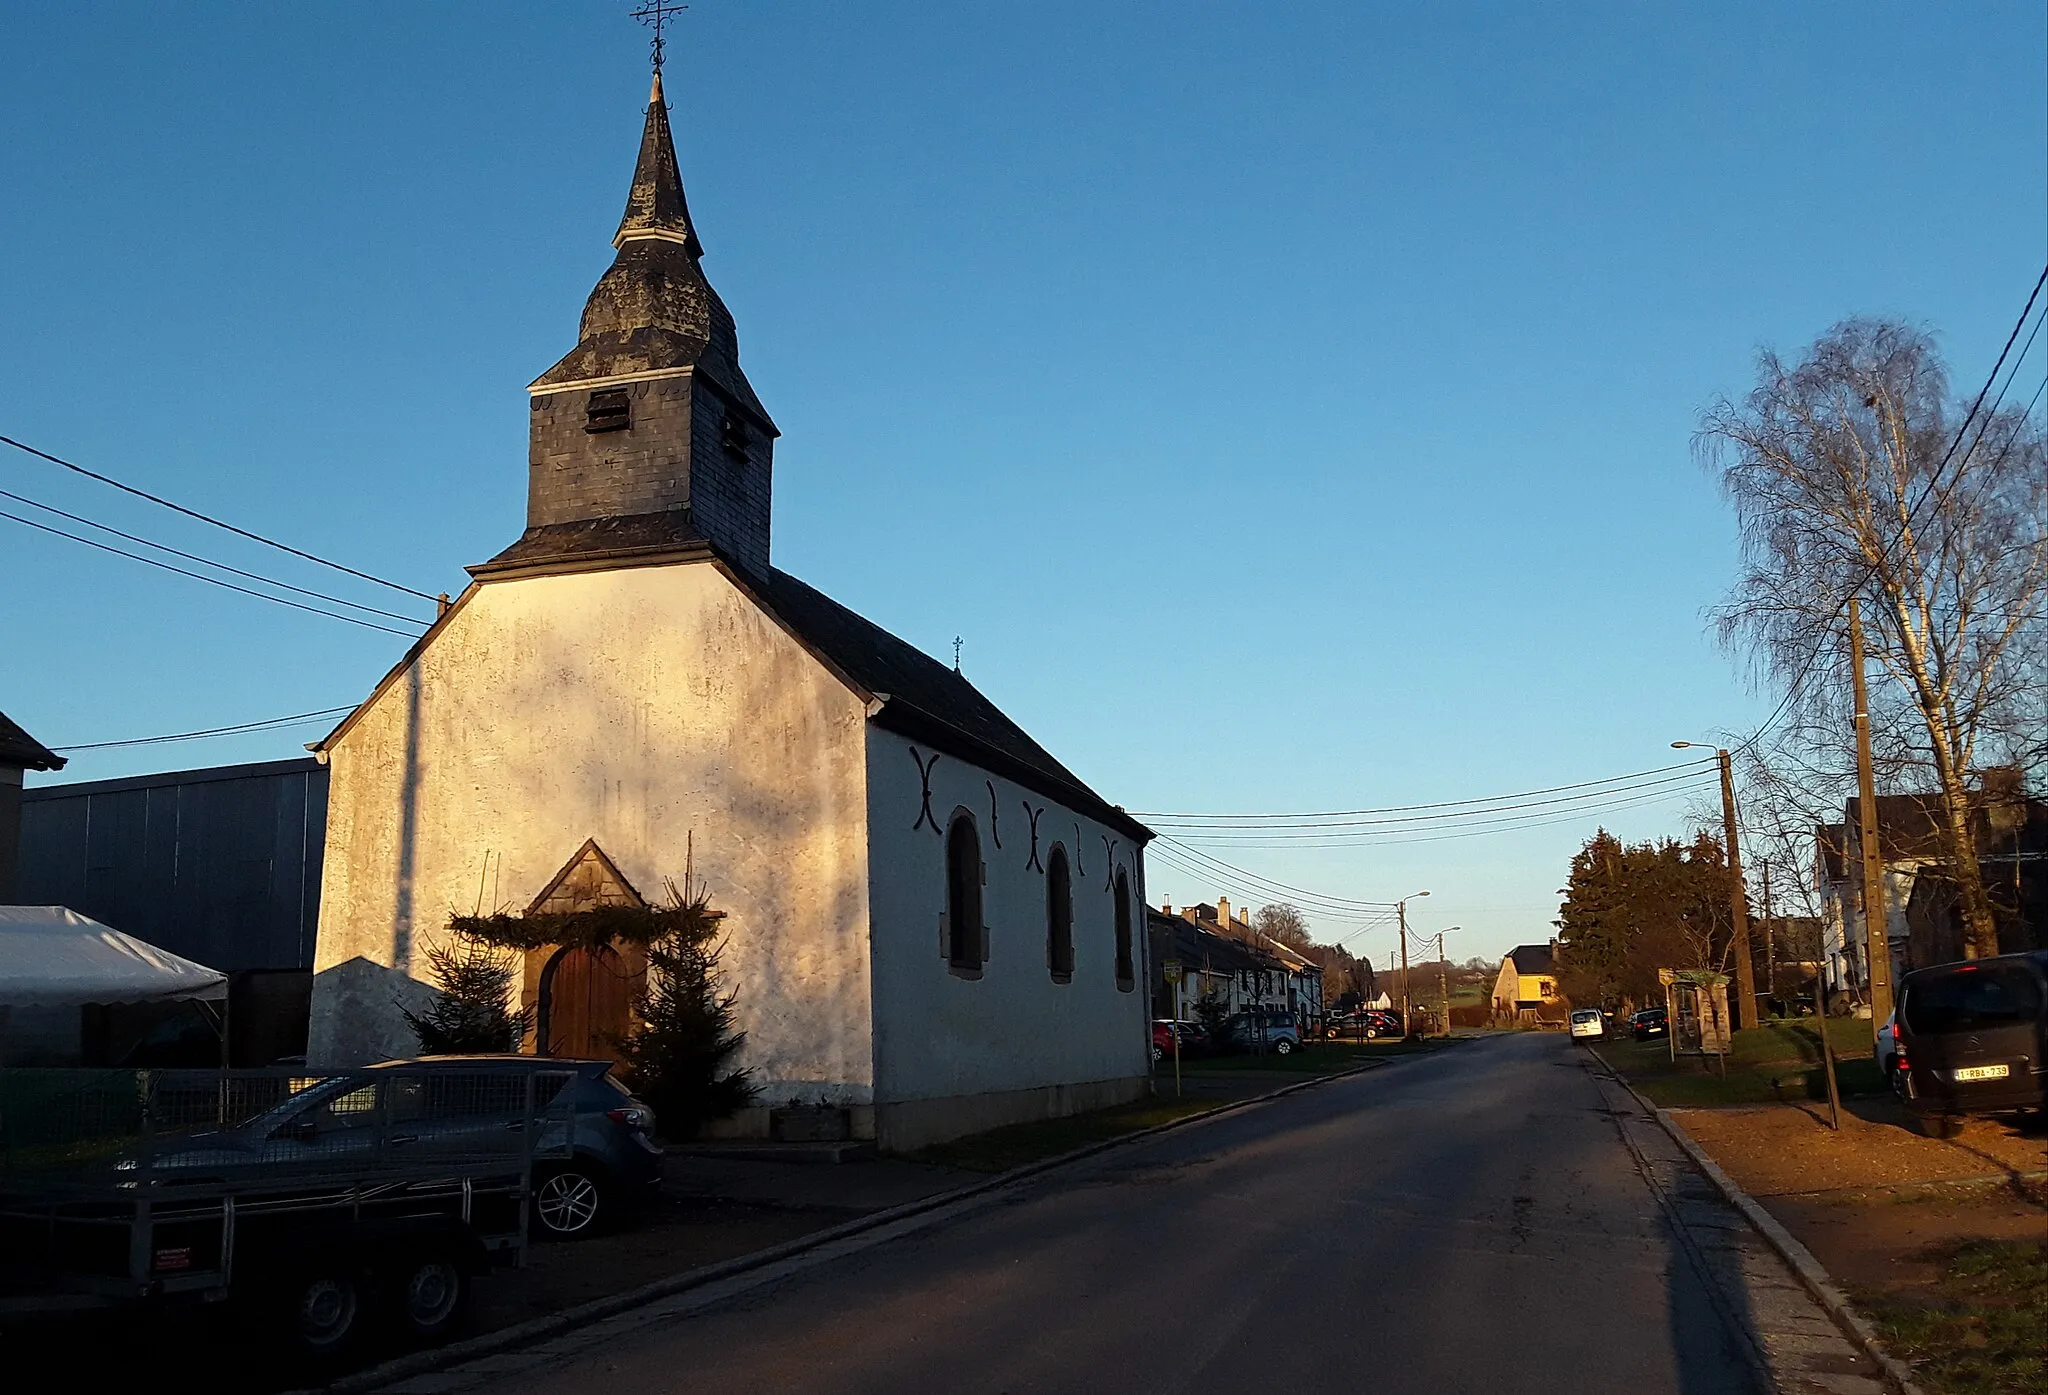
(472,1008)
(679,1057)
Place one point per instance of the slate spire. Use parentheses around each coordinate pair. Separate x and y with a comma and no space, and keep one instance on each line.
(655,206)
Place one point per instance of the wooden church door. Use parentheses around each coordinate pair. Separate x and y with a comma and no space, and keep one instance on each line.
(585,994)
(586,1002)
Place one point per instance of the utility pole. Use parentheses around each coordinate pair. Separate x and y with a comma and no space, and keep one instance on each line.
(1876,937)
(1443,986)
(1738,909)
(1401,914)
(1770,940)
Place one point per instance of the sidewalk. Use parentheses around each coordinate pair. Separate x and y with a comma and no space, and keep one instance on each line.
(1941,1243)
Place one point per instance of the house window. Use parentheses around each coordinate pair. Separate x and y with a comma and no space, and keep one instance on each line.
(1546,988)
(966,946)
(610,410)
(1126,972)
(1059,916)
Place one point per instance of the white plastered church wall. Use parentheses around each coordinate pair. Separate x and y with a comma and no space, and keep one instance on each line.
(649,708)
(1013,1043)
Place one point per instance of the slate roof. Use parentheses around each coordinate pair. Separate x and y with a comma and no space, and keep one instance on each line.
(24,752)
(1533,959)
(925,699)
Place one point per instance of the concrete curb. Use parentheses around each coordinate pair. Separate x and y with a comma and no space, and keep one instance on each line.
(1812,1273)
(537,1329)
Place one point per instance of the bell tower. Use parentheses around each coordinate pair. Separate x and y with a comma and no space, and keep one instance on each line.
(646,439)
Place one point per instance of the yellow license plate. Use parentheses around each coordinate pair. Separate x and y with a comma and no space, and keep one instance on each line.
(1982,1073)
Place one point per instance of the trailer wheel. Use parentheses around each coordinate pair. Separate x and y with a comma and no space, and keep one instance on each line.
(322,1312)
(430,1292)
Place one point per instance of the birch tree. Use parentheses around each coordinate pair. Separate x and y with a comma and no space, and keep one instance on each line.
(1852,473)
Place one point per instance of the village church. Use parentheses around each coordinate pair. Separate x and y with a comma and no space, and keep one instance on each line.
(931,924)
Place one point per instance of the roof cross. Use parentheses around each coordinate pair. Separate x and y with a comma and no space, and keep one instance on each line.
(654,14)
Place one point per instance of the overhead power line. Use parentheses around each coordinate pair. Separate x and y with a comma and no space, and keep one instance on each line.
(207,561)
(208,518)
(1157,816)
(201,576)
(268,723)
(1435,833)
(1278,823)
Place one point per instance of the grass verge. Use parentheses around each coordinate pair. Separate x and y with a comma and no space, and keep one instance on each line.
(1315,1058)
(1981,1328)
(1014,1145)
(1771,1064)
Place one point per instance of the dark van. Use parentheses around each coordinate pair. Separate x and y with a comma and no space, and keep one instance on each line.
(1972,1038)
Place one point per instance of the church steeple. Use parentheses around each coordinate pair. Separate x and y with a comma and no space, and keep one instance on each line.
(647,438)
(655,206)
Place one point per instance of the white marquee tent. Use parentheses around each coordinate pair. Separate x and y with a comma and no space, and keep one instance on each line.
(51,956)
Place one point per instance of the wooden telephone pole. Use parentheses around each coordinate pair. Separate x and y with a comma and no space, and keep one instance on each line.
(1876,937)
(1738,902)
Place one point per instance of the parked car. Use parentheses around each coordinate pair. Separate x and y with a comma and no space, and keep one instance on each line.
(1588,1024)
(1369,1024)
(1191,1035)
(1886,1050)
(1972,1038)
(1650,1022)
(613,1163)
(1274,1025)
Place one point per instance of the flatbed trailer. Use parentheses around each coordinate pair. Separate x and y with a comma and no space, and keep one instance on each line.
(315,1199)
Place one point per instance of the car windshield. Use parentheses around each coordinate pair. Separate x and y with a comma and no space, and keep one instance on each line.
(1971,999)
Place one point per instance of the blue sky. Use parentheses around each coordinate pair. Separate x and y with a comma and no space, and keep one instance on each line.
(1290,406)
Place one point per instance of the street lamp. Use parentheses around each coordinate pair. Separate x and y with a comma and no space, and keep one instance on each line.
(1401,914)
(1738,908)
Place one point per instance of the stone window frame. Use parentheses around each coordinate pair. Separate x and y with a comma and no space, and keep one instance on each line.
(966,899)
(1059,918)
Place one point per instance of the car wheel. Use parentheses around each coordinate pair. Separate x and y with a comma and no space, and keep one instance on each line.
(1372,1034)
(1896,1078)
(568,1203)
(1283,1047)
(430,1292)
(1158,1053)
(322,1311)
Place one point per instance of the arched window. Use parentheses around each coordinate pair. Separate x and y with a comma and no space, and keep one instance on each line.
(1126,971)
(965,946)
(1059,916)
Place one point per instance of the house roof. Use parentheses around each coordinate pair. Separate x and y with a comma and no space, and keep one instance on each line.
(1533,959)
(1833,841)
(1908,825)
(24,752)
(1196,947)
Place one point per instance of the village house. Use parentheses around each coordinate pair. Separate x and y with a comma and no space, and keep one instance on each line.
(1526,989)
(931,925)
(1209,951)
(1922,907)
(19,752)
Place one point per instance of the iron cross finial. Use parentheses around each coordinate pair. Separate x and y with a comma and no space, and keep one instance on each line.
(654,14)
(956,653)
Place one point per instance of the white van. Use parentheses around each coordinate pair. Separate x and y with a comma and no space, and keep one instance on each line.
(1588,1022)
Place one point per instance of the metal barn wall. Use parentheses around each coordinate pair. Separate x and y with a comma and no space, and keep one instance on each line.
(219,865)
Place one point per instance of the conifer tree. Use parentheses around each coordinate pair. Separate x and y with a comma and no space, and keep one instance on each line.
(472,1008)
(679,1057)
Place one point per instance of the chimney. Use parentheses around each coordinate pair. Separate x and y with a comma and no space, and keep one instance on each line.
(1166,908)
(1223,910)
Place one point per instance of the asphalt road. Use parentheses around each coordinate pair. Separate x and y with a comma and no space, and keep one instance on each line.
(1465,1221)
